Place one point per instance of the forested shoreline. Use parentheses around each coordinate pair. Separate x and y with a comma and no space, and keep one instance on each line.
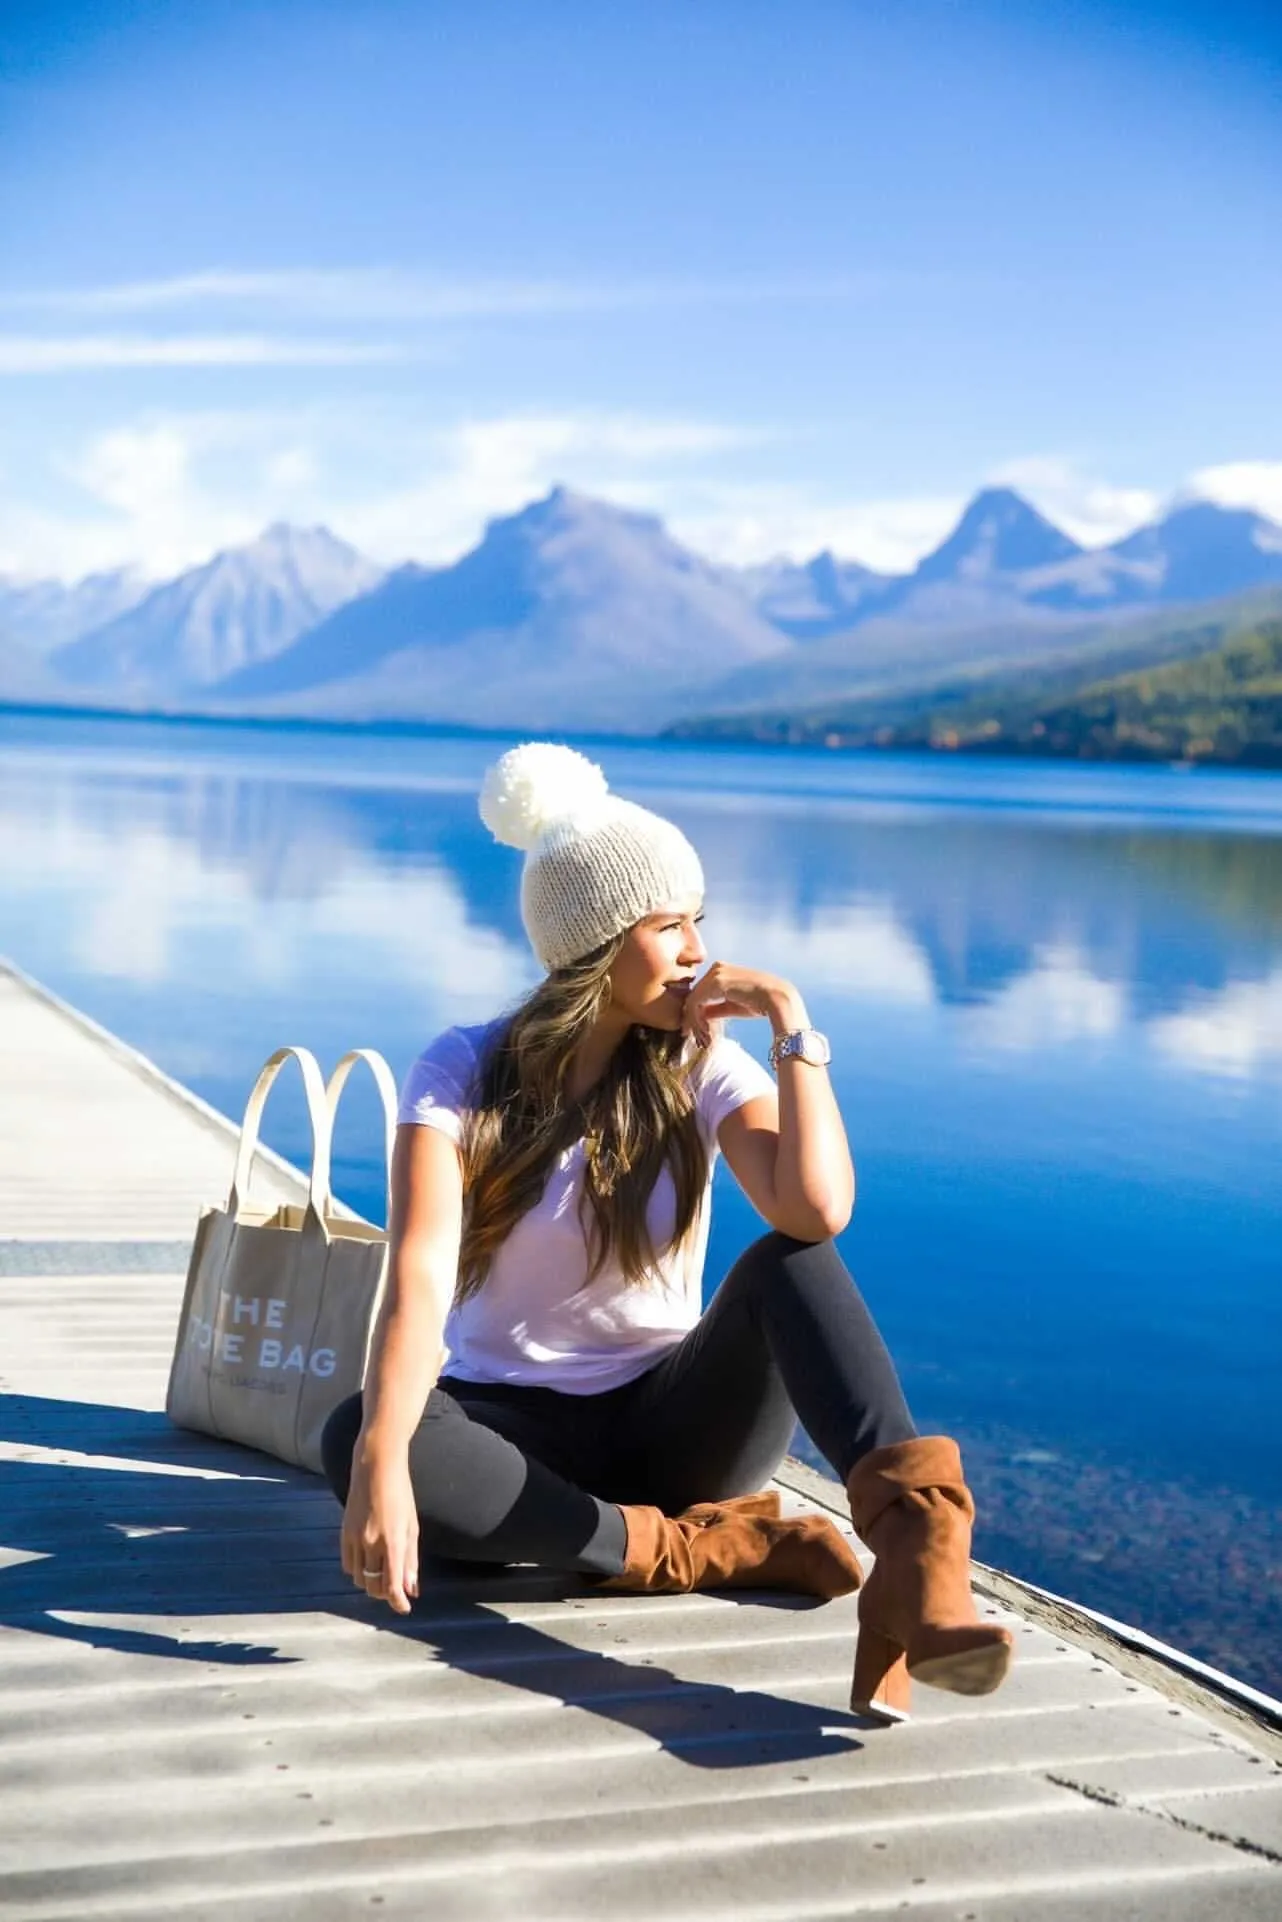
(1222,706)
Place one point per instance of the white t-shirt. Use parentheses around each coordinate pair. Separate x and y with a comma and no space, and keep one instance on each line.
(534,1321)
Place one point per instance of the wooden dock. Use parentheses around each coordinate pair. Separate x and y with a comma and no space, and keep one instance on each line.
(202,1719)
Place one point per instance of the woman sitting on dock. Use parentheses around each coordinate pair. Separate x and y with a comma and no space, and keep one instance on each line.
(551,1194)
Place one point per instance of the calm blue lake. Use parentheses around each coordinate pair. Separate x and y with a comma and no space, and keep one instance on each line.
(1055,1000)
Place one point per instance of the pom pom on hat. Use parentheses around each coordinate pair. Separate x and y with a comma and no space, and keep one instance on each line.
(595,864)
(531,786)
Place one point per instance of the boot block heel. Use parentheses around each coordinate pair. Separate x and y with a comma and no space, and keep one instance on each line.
(880,1686)
(965,1662)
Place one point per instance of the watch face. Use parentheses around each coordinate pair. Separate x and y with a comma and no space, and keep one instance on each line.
(809,1045)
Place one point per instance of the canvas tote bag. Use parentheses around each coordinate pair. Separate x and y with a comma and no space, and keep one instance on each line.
(280,1305)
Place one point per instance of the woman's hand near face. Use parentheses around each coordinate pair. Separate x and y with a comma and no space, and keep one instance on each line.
(380,1532)
(787,1150)
(727,990)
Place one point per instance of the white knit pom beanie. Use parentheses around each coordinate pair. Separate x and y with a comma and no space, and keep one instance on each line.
(594,864)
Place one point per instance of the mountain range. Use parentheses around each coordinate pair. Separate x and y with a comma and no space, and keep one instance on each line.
(576,614)
(570,613)
(43,615)
(242,608)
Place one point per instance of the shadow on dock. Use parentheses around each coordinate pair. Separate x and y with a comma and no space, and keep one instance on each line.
(152,1521)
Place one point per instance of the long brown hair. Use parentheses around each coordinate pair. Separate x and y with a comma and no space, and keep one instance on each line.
(637,1118)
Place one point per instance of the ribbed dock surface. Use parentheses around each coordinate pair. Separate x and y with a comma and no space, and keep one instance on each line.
(201,1718)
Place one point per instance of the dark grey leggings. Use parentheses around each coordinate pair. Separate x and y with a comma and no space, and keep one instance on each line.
(517,1474)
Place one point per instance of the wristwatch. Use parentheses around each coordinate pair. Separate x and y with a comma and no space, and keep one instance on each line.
(806,1043)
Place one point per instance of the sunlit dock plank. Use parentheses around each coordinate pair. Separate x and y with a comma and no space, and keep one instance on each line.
(202,1719)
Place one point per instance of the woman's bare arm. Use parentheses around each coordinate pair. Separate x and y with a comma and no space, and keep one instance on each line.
(789,1151)
(380,1526)
(426,1230)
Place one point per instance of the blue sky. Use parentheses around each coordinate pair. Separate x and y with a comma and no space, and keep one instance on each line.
(791,275)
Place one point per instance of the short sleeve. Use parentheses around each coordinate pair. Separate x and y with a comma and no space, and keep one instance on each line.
(724,1078)
(435,1092)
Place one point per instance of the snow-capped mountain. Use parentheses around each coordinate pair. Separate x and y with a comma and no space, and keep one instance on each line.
(242,607)
(572,613)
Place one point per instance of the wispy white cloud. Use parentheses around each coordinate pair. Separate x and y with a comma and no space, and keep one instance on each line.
(1255,484)
(395,294)
(167,491)
(156,502)
(162,495)
(478,468)
(95,353)
(741,524)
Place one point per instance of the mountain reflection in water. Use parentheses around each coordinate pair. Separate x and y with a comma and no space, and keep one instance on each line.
(1055,1001)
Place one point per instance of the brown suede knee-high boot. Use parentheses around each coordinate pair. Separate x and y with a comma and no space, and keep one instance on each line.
(917,1617)
(739,1543)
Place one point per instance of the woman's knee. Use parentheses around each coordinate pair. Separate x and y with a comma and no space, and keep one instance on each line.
(338,1444)
(774,1255)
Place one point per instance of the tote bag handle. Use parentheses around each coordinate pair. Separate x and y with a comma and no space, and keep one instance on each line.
(318,1115)
(387,1090)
